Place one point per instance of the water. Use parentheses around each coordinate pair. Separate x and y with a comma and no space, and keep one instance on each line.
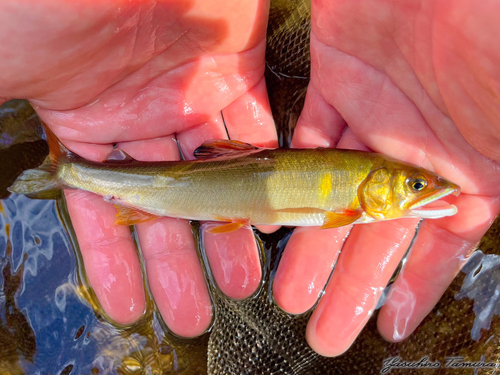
(41,310)
(50,323)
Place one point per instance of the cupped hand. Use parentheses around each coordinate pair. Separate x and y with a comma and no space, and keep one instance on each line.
(151,78)
(418,81)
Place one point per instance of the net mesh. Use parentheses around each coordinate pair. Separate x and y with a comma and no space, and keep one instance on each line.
(255,337)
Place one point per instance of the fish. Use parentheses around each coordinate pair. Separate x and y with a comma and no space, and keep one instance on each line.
(241,185)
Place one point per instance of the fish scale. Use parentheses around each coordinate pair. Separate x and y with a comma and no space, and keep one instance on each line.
(237,182)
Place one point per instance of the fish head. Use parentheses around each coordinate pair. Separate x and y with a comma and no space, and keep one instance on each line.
(406,191)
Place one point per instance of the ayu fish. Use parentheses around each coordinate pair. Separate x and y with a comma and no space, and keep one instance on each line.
(241,184)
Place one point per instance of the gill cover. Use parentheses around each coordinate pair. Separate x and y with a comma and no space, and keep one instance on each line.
(375,193)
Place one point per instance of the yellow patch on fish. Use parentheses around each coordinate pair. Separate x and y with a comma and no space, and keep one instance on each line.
(325,186)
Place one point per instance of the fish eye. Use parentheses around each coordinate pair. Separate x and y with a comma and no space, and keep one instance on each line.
(418,183)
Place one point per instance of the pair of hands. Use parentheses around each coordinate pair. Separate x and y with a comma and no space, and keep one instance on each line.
(417,81)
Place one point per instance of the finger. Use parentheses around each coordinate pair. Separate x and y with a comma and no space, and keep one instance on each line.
(351,142)
(440,250)
(108,252)
(249,118)
(159,149)
(305,266)
(311,253)
(174,272)
(319,124)
(175,275)
(268,228)
(89,151)
(192,138)
(109,256)
(362,271)
(234,261)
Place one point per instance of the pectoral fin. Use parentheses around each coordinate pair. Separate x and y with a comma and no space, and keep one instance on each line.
(229,227)
(336,219)
(131,216)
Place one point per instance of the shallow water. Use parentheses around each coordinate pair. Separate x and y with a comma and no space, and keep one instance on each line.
(44,316)
(50,322)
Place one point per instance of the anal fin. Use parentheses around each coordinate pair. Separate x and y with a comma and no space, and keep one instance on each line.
(336,219)
(131,216)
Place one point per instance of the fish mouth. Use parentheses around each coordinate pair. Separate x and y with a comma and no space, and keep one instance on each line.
(430,207)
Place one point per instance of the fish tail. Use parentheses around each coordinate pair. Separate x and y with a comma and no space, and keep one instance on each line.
(42,182)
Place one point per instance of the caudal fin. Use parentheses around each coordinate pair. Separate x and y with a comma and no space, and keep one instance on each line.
(41,182)
(37,183)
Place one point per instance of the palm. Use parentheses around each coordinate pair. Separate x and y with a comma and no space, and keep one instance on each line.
(379,69)
(143,77)
(161,72)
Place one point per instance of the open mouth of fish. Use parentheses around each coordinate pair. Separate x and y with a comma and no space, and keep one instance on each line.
(432,207)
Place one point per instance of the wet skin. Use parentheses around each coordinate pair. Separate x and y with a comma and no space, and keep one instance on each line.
(417,82)
(142,76)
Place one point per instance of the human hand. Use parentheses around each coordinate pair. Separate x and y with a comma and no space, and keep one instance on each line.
(418,81)
(149,77)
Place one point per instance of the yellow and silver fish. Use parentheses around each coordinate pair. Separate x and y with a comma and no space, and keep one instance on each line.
(241,184)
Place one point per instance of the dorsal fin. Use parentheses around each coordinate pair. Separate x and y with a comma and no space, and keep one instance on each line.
(118,156)
(56,148)
(222,147)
